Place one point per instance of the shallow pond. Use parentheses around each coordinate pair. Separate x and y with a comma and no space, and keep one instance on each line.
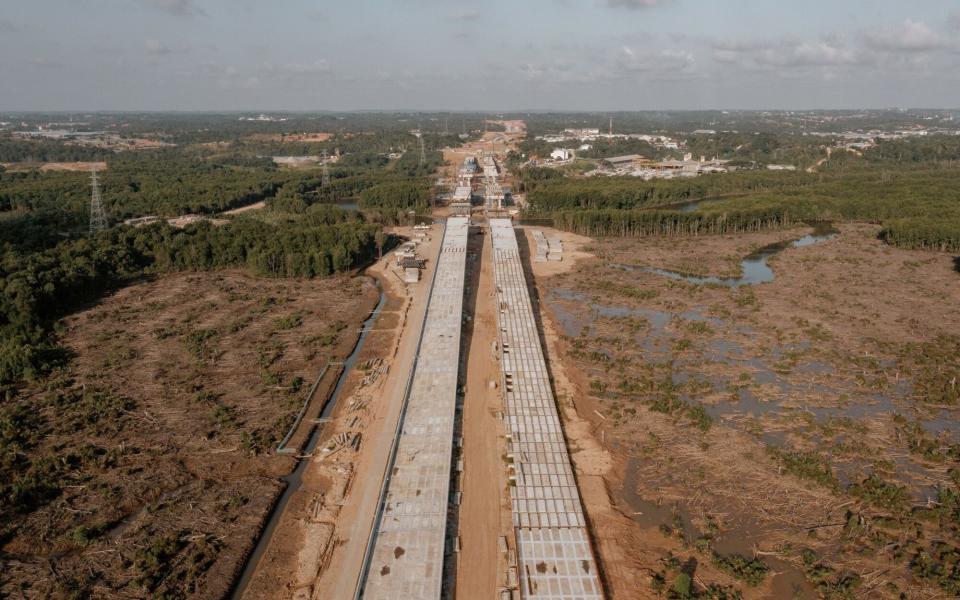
(754,267)
(789,399)
(739,535)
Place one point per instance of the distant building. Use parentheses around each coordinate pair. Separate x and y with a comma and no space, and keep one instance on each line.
(781,167)
(624,161)
(562,154)
(582,133)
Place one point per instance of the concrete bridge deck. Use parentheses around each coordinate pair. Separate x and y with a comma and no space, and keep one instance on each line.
(555,558)
(406,558)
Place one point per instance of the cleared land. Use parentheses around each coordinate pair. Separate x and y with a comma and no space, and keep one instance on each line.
(319,545)
(792,438)
(151,451)
(55,166)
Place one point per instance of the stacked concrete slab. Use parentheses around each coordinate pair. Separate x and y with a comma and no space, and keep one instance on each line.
(542,247)
(547,249)
(555,558)
(556,249)
(407,553)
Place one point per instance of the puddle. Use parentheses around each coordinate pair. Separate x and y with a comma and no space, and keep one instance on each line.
(944,425)
(754,267)
(788,388)
(654,339)
(741,535)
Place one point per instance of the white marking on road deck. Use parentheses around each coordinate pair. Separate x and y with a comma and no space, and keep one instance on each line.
(556,560)
(407,557)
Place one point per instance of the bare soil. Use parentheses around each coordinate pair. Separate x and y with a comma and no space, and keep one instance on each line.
(485,511)
(163,427)
(55,166)
(237,211)
(790,422)
(318,547)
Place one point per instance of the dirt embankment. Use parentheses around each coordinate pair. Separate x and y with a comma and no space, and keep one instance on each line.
(318,547)
(783,439)
(56,166)
(148,465)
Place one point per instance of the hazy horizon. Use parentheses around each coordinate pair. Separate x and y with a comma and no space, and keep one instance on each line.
(432,56)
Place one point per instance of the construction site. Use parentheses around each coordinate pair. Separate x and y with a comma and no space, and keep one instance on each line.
(427,518)
(462,486)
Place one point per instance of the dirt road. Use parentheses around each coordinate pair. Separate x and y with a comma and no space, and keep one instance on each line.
(485,511)
(338,578)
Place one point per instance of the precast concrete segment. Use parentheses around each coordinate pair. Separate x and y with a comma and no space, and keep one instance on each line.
(407,556)
(555,558)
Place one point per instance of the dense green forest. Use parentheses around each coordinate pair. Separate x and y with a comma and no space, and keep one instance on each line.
(177,181)
(40,287)
(14,150)
(919,207)
(50,266)
(547,194)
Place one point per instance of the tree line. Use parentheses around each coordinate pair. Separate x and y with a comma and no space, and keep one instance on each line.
(40,287)
(919,208)
(551,193)
(40,150)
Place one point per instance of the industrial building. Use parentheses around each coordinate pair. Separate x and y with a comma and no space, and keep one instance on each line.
(629,160)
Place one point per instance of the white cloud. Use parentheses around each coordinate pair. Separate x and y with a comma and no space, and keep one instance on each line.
(156,47)
(467,14)
(909,36)
(788,54)
(633,61)
(179,8)
(595,65)
(555,71)
(811,54)
(632,4)
(315,67)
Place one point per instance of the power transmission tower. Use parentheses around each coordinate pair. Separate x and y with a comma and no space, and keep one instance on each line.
(325,180)
(98,216)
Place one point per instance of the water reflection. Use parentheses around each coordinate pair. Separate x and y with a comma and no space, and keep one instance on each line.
(755,268)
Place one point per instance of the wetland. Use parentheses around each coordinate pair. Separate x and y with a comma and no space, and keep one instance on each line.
(795,435)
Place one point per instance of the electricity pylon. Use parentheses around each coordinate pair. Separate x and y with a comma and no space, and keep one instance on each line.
(98,216)
(325,180)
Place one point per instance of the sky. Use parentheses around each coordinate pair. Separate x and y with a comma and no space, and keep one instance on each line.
(496,55)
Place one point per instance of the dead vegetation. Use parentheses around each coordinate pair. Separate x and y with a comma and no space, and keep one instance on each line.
(808,422)
(145,468)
